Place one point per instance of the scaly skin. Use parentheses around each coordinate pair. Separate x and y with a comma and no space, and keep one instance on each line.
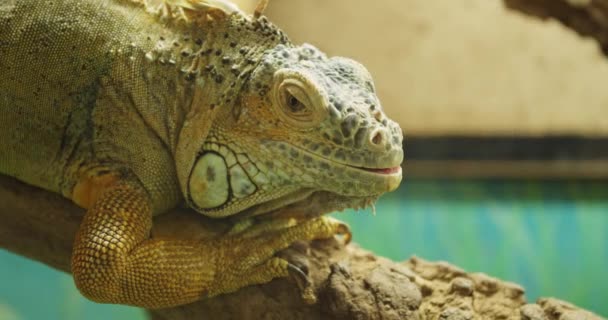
(130,108)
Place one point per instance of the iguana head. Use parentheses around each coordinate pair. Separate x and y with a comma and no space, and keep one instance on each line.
(302,124)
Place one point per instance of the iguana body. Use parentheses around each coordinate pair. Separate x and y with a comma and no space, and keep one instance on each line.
(130,108)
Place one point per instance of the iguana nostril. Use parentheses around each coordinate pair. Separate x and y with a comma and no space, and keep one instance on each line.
(377,137)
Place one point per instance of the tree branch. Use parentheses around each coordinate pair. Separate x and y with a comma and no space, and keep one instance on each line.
(588,18)
(350,282)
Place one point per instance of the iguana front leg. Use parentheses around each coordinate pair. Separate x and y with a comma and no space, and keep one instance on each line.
(115,260)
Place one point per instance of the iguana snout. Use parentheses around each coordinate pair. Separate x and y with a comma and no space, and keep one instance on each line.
(303,122)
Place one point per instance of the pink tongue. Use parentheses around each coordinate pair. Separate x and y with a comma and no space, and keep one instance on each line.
(385,170)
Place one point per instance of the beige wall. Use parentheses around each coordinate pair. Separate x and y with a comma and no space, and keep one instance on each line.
(461,66)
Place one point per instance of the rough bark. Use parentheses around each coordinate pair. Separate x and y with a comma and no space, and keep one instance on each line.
(587,17)
(350,283)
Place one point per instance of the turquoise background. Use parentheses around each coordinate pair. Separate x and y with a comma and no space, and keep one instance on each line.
(551,237)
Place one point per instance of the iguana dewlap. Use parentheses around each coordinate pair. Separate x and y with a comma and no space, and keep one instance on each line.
(130,108)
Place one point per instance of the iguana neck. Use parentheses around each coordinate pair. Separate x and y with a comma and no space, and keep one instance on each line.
(198,69)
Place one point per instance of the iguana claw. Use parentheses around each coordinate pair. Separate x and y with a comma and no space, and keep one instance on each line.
(342,229)
(304,283)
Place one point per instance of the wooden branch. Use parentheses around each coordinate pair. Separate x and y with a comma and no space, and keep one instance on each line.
(588,18)
(350,282)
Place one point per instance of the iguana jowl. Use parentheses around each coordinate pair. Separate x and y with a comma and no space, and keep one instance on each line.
(130,108)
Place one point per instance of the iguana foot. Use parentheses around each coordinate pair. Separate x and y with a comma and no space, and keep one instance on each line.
(248,257)
(115,260)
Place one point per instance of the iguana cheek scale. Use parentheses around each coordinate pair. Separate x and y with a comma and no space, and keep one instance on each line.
(209,183)
(130,108)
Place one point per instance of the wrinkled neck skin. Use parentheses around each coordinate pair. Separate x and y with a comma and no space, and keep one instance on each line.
(213,64)
(222,73)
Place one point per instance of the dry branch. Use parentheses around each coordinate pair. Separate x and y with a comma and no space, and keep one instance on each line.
(351,283)
(587,17)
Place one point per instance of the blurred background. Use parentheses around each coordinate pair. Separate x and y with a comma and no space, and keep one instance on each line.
(506,123)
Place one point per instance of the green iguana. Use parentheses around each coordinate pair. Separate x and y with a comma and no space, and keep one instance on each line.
(132,107)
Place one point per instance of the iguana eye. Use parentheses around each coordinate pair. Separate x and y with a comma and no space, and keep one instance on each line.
(297,100)
(294,104)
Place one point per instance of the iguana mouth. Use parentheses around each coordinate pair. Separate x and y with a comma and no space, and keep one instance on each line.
(385,171)
(381,171)
(378,172)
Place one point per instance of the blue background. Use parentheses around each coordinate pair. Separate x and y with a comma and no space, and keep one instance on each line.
(551,237)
